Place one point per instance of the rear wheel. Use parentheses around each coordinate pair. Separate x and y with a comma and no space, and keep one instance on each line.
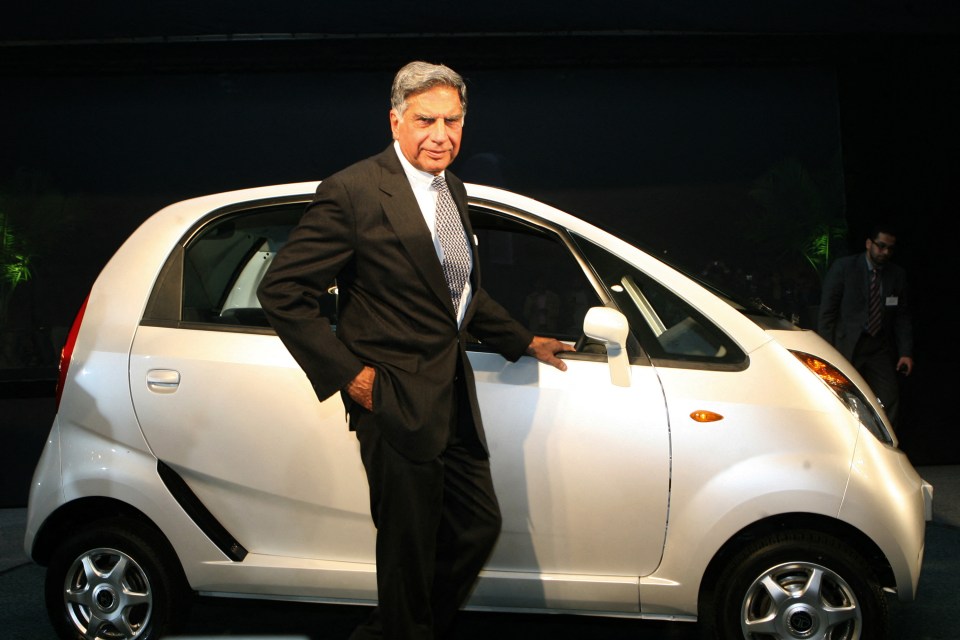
(117,580)
(797,586)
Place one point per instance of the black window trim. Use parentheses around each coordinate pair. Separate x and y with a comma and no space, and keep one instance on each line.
(164,307)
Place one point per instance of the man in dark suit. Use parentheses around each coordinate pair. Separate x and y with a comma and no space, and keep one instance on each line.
(399,247)
(878,344)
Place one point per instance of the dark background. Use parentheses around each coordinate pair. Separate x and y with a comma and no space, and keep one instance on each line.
(659,121)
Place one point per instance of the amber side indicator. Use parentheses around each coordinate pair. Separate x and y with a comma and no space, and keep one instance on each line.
(703,415)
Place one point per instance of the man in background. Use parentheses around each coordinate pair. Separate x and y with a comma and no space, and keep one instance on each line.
(865,314)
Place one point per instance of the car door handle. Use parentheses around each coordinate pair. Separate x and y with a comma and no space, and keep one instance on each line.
(163,380)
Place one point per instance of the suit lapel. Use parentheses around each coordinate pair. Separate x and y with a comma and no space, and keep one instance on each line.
(403,211)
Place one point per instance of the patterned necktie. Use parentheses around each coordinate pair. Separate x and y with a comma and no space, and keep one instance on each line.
(875,312)
(453,242)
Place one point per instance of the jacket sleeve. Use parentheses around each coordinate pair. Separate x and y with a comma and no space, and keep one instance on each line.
(293,287)
(494,326)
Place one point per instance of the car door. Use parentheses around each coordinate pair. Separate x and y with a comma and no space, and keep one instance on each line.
(581,466)
(223,404)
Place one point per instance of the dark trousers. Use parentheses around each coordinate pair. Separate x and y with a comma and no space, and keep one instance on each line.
(437,522)
(875,359)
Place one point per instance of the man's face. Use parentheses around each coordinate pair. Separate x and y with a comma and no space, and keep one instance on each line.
(881,248)
(429,130)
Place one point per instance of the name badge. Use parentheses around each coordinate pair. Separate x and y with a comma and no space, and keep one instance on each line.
(892,301)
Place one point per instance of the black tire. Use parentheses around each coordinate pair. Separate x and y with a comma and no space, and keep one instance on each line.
(116,580)
(797,585)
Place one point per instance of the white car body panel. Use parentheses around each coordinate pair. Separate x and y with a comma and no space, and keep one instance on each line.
(901,539)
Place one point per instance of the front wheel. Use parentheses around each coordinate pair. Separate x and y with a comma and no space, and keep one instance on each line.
(797,586)
(115,580)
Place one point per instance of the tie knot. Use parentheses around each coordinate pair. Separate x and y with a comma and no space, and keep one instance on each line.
(439,183)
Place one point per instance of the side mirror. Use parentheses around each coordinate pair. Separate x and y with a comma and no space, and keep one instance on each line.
(611,327)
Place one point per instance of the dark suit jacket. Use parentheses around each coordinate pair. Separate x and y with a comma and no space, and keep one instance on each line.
(845,298)
(364,230)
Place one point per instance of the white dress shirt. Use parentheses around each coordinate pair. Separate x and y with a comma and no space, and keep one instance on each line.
(422,184)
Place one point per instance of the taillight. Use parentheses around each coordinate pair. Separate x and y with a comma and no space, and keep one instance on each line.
(848,393)
(67,352)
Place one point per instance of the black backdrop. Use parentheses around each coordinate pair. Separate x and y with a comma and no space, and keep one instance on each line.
(659,133)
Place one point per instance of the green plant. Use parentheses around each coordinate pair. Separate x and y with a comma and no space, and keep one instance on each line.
(818,250)
(14,264)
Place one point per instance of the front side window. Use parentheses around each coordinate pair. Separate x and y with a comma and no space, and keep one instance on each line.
(533,274)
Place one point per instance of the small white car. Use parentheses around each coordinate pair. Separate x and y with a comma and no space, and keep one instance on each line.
(698,460)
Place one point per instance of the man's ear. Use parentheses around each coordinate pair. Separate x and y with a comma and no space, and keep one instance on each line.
(394,122)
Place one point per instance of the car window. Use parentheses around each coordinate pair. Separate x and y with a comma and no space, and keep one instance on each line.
(224,263)
(533,274)
(668,328)
(528,269)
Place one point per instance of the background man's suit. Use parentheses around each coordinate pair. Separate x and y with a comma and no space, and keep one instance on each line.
(844,306)
(365,230)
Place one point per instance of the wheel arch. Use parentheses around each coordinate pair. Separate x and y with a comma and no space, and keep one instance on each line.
(855,538)
(81,513)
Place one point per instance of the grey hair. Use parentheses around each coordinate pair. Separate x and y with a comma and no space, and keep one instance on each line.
(417,77)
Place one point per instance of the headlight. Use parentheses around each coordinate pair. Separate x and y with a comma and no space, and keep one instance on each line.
(848,394)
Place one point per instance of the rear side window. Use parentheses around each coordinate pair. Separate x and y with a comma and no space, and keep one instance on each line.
(225,262)
(212,278)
